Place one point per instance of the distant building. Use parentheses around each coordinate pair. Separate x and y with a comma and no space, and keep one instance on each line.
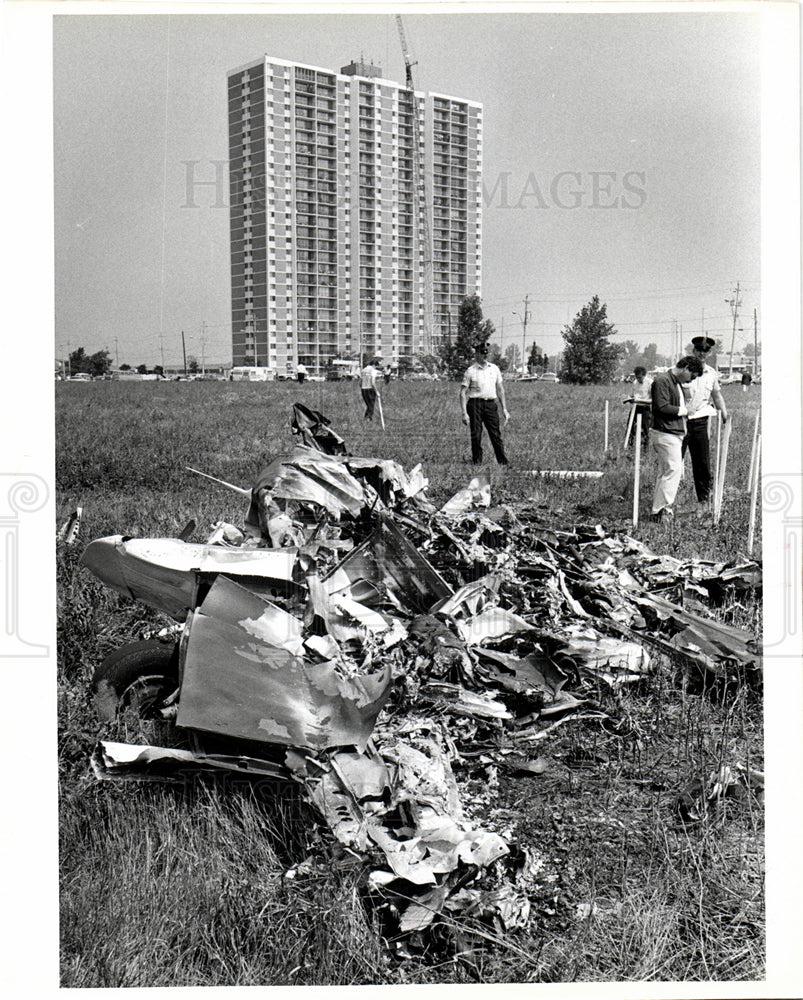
(741,362)
(326,257)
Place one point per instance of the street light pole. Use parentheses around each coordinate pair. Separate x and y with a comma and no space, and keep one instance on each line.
(734,303)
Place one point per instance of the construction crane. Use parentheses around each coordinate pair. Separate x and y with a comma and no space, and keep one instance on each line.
(420,200)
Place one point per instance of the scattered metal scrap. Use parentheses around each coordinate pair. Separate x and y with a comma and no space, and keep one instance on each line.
(366,644)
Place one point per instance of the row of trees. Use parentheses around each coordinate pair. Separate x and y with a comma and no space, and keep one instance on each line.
(100,363)
(587,357)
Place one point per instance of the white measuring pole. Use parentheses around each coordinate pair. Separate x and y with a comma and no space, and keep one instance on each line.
(630,417)
(637,477)
(717,454)
(605,448)
(722,469)
(751,529)
(753,462)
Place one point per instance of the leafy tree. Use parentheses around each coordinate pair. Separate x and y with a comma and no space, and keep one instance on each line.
(158,370)
(192,365)
(79,361)
(100,363)
(650,358)
(631,355)
(125,368)
(588,357)
(430,363)
(496,358)
(142,369)
(457,355)
(537,360)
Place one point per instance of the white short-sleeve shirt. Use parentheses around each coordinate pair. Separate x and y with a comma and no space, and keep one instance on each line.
(482,380)
(700,389)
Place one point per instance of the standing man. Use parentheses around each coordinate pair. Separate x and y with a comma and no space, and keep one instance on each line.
(368,388)
(482,383)
(668,430)
(301,373)
(705,398)
(642,401)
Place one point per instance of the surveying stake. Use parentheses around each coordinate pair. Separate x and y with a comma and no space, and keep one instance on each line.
(637,478)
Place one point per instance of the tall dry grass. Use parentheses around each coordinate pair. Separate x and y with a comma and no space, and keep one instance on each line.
(217,882)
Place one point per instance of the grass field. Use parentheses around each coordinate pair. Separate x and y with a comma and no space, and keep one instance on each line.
(225,883)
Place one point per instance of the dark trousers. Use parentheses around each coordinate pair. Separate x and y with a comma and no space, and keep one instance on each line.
(696,441)
(645,409)
(485,412)
(369,398)
(301,376)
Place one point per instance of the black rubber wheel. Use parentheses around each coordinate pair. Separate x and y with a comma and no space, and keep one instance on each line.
(136,687)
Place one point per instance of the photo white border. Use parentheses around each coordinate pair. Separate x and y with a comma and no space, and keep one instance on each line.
(29,927)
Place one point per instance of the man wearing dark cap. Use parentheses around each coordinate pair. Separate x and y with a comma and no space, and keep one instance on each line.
(482,384)
(704,400)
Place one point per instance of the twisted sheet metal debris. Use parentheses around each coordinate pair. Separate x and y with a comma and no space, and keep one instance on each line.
(373,644)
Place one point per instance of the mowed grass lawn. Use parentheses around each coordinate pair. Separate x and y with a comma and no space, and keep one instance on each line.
(220,882)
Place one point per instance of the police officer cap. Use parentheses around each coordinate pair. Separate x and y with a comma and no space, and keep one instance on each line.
(702,343)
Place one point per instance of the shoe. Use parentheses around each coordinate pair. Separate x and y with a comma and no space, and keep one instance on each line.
(664,516)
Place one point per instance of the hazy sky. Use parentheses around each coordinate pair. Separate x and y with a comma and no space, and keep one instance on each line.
(621,157)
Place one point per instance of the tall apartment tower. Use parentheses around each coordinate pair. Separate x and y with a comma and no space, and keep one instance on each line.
(331,252)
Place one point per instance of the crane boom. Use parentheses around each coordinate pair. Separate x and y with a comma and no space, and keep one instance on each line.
(420,200)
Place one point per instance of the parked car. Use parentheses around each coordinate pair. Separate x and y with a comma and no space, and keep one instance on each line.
(549,377)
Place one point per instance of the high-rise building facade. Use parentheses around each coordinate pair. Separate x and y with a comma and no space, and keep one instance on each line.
(346,238)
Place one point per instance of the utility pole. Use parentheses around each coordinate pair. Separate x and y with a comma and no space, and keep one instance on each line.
(524,320)
(162,347)
(116,354)
(734,304)
(203,347)
(184,351)
(755,343)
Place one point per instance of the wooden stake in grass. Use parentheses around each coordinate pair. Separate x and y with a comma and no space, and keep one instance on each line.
(637,477)
(630,419)
(751,528)
(753,462)
(722,468)
(381,414)
(605,447)
(717,453)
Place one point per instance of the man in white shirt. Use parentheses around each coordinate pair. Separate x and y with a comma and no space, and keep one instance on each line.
(641,399)
(482,384)
(301,372)
(370,393)
(704,399)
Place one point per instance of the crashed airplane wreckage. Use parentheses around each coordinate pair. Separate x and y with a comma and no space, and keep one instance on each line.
(358,640)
